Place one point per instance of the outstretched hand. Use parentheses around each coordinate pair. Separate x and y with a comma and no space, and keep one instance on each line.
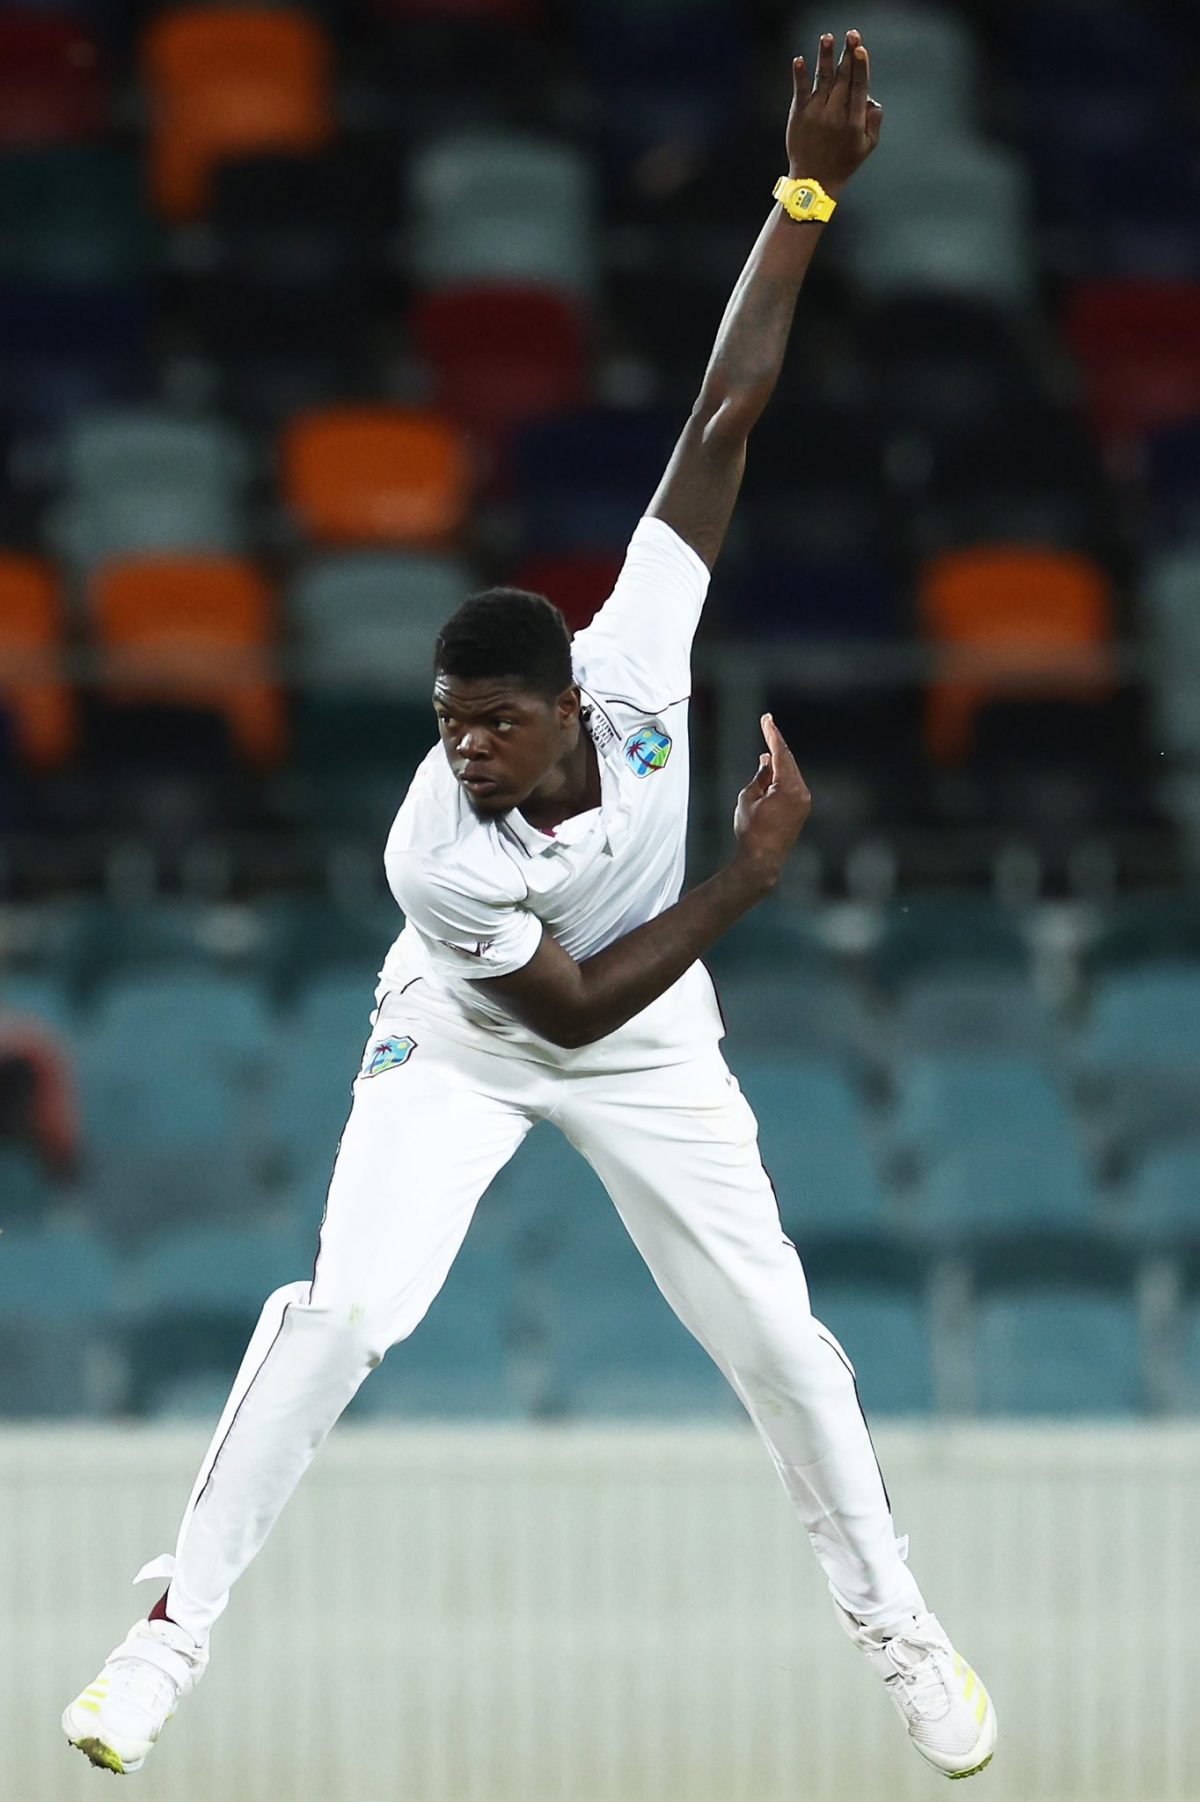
(834,125)
(772,808)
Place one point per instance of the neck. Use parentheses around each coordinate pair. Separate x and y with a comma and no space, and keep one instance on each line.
(572,786)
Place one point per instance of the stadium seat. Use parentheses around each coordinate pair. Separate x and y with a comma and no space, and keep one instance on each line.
(105,454)
(53,79)
(305,938)
(957,1098)
(1031,615)
(578,582)
(808,1016)
(458,1363)
(32,624)
(539,223)
(25,1192)
(64,349)
(983,1011)
(198,633)
(502,354)
(1139,347)
(1163,1197)
(782,594)
(370,617)
(291,223)
(1053,1351)
(585,478)
(1173,484)
(41,994)
(161,519)
(57,1274)
(1145,929)
(223,81)
(74,213)
(775,939)
(932,933)
(536,1202)
(813,1140)
(885,1332)
(1139,1052)
(309,1093)
(617,1349)
(375,475)
(1002,1184)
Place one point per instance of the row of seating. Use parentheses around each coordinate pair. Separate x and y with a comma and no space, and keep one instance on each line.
(580,1333)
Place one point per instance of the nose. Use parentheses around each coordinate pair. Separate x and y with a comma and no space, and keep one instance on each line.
(470,743)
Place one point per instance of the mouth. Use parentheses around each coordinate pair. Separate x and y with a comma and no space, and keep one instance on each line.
(479,786)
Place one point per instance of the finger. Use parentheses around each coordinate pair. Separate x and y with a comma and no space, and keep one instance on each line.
(874,122)
(860,82)
(800,81)
(825,66)
(845,68)
(782,760)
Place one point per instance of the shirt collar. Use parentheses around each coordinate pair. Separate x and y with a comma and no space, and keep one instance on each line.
(614,806)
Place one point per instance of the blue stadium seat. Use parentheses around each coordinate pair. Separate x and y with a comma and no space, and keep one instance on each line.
(1139,1052)
(222,1267)
(59,1273)
(1058,1352)
(975,1012)
(309,1094)
(42,995)
(25,1190)
(805,1015)
(134,448)
(1000,1184)
(616,1346)
(1163,1199)
(584,478)
(459,1363)
(813,1139)
(538,1199)
(938,933)
(885,1332)
(950,1100)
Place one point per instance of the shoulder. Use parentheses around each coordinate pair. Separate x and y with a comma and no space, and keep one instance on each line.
(637,648)
(437,845)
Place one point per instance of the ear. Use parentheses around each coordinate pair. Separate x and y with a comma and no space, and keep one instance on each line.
(568,705)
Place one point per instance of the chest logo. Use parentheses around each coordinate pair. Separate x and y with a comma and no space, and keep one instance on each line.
(647,750)
(387,1054)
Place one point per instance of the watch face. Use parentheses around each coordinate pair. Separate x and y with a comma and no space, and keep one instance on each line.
(804,200)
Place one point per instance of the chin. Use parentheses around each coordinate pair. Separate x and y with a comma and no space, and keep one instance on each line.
(489,807)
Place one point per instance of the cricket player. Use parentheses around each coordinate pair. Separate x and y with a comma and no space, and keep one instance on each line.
(549,970)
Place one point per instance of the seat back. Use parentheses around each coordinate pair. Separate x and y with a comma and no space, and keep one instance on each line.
(375,475)
(42,707)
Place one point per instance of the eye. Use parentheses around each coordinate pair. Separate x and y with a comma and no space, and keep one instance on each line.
(504,725)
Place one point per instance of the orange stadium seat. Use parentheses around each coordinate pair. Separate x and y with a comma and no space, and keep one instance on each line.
(375,475)
(193,632)
(42,707)
(1035,615)
(1139,346)
(502,353)
(226,81)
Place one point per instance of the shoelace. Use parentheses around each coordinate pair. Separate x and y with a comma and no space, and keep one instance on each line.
(924,1687)
(145,1685)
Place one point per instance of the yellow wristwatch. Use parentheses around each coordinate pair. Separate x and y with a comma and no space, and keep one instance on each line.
(804,199)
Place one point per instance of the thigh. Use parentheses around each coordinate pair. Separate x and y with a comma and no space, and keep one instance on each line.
(429,1127)
(677,1149)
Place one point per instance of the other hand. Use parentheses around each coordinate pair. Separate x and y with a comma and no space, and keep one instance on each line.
(834,125)
(771,810)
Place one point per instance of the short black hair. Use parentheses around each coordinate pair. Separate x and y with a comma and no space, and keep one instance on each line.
(507,632)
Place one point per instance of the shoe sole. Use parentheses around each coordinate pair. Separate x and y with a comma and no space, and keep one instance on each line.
(104,1758)
(957,1776)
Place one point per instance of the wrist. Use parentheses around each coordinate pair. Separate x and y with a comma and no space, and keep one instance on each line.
(753,874)
(804,172)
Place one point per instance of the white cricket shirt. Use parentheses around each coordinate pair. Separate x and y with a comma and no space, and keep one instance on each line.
(478,894)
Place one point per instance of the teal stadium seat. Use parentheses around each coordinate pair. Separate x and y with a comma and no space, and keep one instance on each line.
(75,214)
(1163,1197)
(617,1348)
(371,617)
(40,995)
(135,447)
(320,1047)
(938,934)
(25,1189)
(539,224)
(87,530)
(1057,1351)
(813,1139)
(59,1292)
(885,1332)
(1139,1053)
(992,1012)
(537,1199)
(948,1100)
(806,1016)
(460,1362)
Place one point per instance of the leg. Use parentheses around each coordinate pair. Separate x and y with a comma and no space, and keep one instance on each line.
(422,1143)
(677,1150)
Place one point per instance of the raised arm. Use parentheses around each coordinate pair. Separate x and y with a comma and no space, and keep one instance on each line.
(832,129)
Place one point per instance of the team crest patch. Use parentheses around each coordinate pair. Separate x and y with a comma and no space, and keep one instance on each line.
(387,1054)
(647,751)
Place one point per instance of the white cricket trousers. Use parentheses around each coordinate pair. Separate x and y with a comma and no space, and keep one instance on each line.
(676,1148)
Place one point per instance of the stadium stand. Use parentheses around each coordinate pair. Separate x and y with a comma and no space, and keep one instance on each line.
(279,386)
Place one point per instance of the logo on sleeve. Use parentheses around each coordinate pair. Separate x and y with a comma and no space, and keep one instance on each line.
(647,750)
(387,1054)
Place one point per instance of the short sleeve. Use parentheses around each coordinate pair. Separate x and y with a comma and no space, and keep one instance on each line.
(641,639)
(466,935)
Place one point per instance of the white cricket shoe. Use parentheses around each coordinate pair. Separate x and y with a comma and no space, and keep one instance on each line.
(949,1714)
(116,1720)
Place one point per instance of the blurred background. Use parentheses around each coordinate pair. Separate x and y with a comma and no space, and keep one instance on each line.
(314,318)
